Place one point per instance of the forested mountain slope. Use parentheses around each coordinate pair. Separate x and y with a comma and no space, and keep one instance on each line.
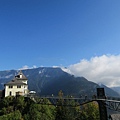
(48,80)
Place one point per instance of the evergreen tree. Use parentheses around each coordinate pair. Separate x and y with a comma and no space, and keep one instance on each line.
(65,109)
(89,111)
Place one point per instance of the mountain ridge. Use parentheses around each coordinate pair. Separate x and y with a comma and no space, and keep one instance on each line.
(49,80)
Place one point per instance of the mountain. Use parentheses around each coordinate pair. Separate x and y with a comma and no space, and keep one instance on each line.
(109,91)
(117,89)
(48,80)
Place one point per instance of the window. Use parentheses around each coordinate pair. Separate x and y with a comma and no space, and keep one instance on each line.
(18,86)
(10,86)
(10,93)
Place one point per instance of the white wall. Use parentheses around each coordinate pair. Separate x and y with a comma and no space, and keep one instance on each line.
(23,89)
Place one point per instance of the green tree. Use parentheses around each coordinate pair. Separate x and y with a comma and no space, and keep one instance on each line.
(5,102)
(16,115)
(6,105)
(65,109)
(89,111)
(40,112)
(19,103)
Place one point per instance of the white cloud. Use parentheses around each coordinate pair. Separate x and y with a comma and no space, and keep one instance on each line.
(34,66)
(103,69)
(55,66)
(66,70)
(24,67)
(27,67)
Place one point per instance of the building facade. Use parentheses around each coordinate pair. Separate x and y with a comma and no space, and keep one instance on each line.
(17,86)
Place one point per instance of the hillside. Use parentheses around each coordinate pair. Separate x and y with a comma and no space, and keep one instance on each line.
(48,80)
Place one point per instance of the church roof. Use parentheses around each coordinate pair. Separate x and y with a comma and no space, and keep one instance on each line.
(20,76)
(18,79)
(15,82)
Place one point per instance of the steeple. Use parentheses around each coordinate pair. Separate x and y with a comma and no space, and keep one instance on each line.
(20,76)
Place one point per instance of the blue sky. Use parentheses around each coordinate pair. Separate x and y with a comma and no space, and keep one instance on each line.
(57,32)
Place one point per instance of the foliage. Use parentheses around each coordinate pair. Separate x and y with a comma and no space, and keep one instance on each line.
(65,109)
(23,108)
(39,112)
(6,101)
(70,110)
(89,111)
(16,115)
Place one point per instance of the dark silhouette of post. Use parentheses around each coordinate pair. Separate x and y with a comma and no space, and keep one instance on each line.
(101,103)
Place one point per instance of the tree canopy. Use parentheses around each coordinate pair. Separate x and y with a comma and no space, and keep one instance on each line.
(23,108)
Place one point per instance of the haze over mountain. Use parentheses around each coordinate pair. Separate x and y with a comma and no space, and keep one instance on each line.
(117,89)
(49,80)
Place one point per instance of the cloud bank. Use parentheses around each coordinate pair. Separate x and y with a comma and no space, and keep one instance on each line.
(27,67)
(104,69)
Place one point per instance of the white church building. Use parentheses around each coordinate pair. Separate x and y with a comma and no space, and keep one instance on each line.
(17,86)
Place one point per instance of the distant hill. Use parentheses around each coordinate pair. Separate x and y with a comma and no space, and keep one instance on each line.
(48,80)
(117,89)
(109,91)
